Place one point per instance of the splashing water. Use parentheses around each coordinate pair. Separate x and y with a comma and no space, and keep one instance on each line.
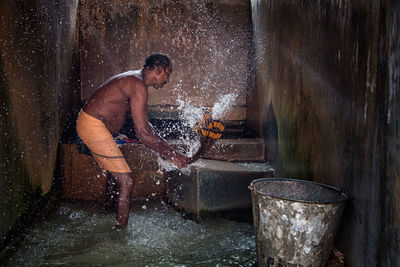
(222,106)
(78,235)
(167,165)
(190,116)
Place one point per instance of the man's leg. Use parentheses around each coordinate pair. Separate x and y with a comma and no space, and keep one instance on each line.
(111,194)
(125,186)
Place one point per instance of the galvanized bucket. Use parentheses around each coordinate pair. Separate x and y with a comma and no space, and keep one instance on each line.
(295,221)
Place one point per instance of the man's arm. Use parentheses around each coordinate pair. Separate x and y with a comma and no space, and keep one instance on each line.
(145,131)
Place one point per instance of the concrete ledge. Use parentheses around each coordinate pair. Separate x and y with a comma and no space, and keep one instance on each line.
(238,150)
(214,186)
(234,150)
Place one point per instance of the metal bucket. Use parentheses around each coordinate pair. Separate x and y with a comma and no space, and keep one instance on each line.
(295,221)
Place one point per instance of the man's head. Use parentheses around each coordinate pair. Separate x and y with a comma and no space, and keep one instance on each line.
(158,68)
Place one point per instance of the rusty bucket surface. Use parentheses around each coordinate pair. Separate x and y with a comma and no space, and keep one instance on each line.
(295,221)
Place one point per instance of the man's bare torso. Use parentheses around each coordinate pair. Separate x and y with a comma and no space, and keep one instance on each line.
(129,92)
(111,102)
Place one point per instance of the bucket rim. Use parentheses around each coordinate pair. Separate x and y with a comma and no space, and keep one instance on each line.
(344,199)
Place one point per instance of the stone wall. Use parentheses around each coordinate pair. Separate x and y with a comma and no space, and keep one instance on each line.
(326,99)
(206,40)
(37,59)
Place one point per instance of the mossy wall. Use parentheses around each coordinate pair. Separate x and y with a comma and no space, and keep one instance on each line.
(326,99)
(37,82)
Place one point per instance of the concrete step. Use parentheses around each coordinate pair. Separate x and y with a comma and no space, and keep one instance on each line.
(235,150)
(214,186)
(238,150)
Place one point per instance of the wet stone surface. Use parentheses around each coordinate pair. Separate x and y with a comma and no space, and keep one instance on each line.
(80,235)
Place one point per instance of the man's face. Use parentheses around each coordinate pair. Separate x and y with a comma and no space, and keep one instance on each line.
(161,77)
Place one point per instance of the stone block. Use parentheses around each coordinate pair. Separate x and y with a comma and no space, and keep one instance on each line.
(214,186)
(84,179)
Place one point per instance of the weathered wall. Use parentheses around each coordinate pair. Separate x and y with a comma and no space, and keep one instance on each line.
(389,247)
(326,99)
(37,40)
(206,40)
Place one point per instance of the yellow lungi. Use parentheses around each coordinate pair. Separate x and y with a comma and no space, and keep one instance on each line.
(99,140)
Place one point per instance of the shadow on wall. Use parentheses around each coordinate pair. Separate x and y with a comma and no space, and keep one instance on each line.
(282,147)
(270,133)
(17,194)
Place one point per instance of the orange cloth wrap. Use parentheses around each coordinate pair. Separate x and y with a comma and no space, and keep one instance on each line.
(99,140)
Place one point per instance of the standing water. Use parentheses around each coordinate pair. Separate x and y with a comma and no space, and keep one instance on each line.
(156,235)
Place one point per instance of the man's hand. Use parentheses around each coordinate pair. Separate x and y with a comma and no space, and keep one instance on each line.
(180,160)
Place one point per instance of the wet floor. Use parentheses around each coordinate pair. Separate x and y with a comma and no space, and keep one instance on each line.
(82,235)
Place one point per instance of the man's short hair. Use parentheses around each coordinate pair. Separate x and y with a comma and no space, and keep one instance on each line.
(157,59)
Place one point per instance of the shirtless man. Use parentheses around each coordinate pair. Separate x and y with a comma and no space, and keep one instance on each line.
(105,113)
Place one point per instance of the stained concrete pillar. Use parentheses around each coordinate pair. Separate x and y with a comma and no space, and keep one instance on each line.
(327,86)
(37,44)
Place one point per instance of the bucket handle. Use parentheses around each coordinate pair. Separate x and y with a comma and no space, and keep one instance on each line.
(252,189)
